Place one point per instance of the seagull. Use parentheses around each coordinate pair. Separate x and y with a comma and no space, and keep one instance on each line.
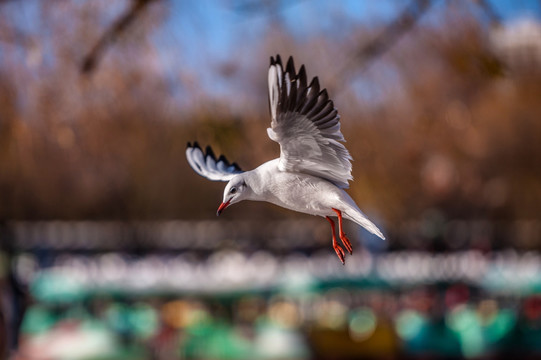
(314,166)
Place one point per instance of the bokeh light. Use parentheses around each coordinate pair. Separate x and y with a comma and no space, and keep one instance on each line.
(109,243)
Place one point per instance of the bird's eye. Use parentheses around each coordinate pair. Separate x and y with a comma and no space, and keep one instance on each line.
(233,190)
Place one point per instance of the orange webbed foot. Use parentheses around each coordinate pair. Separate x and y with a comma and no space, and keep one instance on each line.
(343,236)
(337,248)
(347,243)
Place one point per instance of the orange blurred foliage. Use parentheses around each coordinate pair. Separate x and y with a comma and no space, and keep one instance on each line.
(456,128)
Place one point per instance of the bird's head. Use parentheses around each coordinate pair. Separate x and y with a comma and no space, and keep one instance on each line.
(236,190)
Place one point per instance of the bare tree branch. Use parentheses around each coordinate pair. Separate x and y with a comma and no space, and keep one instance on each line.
(494,17)
(367,54)
(91,60)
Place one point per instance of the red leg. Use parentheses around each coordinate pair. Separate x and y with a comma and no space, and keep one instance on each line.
(337,248)
(342,234)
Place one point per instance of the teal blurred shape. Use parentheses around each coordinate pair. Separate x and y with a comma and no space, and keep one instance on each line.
(423,336)
(215,340)
(502,323)
(37,319)
(463,320)
(144,320)
(362,323)
(409,324)
(54,287)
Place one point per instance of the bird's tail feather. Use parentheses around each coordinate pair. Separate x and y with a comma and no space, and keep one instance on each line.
(357,216)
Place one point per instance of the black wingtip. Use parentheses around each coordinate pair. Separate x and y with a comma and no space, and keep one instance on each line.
(302,76)
(290,67)
(224,160)
(209,152)
(195,145)
(315,84)
(278,60)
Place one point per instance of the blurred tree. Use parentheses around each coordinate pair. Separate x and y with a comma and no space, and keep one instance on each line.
(441,122)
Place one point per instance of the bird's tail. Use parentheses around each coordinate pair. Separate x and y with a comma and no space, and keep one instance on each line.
(356,215)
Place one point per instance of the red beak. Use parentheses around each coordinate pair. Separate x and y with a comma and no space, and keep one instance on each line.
(222,207)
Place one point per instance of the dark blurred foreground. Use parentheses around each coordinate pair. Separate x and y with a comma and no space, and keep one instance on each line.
(220,290)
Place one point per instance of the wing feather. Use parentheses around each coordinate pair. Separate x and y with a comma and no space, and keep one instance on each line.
(306,125)
(206,164)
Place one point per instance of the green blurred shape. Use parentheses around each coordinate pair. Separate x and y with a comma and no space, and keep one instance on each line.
(465,322)
(463,319)
(143,320)
(500,326)
(362,323)
(117,316)
(37,319)
(216,340)
(56,287)
(424,336)
(409,324)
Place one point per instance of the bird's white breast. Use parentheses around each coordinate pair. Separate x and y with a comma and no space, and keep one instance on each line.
(295,191)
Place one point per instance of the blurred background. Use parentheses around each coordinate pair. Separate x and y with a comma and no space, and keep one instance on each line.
(109,243)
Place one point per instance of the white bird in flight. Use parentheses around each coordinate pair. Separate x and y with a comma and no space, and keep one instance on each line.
(314,166)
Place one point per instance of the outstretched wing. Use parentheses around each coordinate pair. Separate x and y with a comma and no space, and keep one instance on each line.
(306,125)
(208,166)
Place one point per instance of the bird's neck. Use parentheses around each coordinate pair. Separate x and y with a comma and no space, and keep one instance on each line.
(260,180)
